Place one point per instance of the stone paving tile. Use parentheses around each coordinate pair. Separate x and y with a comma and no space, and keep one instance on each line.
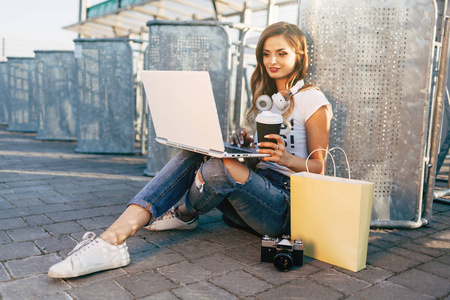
(49,192)
(161,296)
(31,287)
(37,220)
(100,290)
(73,215)
(5,204)
(439,218)
(96,277)
(55,244)
(15,212)
(63,228)
(197,248)
(152,259)
(4,276)
(114,210)
(57,296)
(423,282)
(410,233)
(391,261)
(267,272)
(122,200)
(301,289)
(389,291)
(30,203)
(20,195)
(17,250)
(438,244)
(31,265)
(232,239)
(241,283)
(50,208)
(145,283)
(444,259)
(79,205)
(4,238)
(202,291)
(161,239)
(218,263)
(369,274)
(27,234)
(437,268)
(248,255)
(59,199)
(316,263)
(435,226)
(422,249)
(136,244)
(197,234)
(185,273)
(12,223)
(97,222)
(443,235)
(217,227)
(410,254)
(339,281)
(386,236)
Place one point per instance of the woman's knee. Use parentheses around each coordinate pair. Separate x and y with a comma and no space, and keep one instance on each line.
(237,170)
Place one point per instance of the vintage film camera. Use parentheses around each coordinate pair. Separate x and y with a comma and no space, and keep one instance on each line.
(283,252)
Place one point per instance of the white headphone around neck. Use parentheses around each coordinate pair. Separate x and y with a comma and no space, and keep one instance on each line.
(264,102)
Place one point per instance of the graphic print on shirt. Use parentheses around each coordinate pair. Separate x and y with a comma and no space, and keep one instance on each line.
(289,141)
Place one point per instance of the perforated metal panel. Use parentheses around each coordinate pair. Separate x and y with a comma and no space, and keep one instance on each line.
(56,95)
(4,93)
(21,105)
(105,111)
(372,60)
(187,46)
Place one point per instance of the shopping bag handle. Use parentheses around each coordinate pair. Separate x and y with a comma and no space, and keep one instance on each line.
(332,159)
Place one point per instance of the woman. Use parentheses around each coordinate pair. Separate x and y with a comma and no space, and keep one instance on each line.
(257,199)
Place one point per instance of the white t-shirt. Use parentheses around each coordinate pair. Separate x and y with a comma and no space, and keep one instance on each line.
(306,104)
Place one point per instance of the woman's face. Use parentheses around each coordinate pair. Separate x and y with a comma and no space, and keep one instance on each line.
(278,57)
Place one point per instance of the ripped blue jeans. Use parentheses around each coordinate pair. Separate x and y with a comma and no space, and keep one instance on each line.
(262,202)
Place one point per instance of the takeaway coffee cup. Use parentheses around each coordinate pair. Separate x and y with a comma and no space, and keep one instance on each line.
(267,123)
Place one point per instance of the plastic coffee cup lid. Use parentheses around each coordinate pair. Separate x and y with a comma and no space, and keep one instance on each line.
(267,117)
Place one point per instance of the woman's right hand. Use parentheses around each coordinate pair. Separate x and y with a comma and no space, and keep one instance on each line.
(241,137)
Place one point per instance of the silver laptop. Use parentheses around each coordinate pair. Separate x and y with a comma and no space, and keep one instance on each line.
(184,113)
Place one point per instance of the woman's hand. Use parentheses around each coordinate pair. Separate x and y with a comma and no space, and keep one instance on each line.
(241,137)
(276,150)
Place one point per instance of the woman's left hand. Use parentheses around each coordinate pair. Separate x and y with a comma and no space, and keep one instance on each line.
(276,150)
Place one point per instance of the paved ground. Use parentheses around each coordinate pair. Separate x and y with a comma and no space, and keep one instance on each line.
(50,196)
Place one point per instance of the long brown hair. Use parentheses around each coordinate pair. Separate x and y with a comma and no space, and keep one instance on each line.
(261,83)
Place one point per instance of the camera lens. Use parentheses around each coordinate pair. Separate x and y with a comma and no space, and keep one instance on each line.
(283,261)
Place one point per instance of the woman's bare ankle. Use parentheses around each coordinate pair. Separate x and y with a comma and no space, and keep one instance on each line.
(112,239)
(184,214)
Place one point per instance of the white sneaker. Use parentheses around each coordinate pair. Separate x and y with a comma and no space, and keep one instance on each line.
(170,221)
(89,256)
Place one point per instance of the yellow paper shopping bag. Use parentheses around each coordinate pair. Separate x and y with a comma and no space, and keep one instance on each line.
(332,217)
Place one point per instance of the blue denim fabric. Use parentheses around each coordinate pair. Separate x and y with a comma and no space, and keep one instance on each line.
(261,203)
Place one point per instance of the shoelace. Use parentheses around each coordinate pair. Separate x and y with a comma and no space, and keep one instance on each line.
(87,238)
(170,214)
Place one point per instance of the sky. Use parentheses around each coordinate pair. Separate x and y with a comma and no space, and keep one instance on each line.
(28,25)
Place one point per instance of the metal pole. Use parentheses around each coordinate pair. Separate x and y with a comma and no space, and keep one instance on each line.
(436,130)
(245,19)
(3,50)
(271,11)
(82,13)
(83,7)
